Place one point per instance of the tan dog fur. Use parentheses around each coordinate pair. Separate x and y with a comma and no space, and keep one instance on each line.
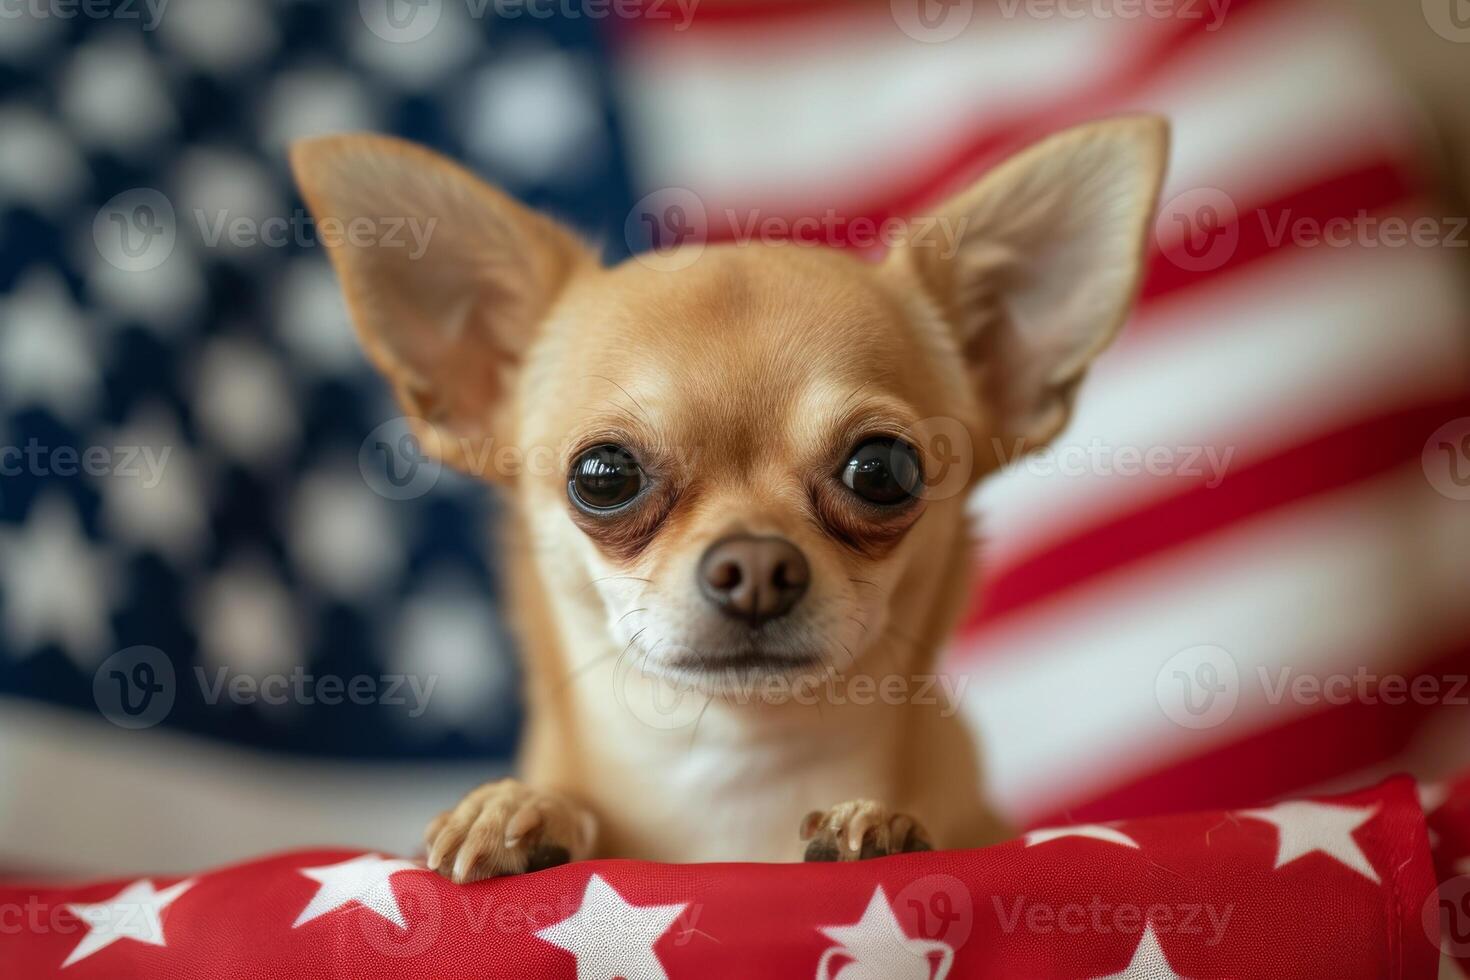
(741,382)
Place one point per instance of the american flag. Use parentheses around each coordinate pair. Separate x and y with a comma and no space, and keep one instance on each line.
(1342,887)
(1267,480)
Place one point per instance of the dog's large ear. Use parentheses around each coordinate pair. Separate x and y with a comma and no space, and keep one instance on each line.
(1036,266)
(446,278)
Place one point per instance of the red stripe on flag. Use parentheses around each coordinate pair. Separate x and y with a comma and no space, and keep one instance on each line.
(793,16)
(1266,229)
(1286,758)
(1328,462)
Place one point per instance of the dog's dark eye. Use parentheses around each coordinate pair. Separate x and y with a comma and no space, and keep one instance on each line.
(883,471)
(604,478)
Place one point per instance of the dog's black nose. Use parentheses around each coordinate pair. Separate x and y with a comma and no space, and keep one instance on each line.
(754,579)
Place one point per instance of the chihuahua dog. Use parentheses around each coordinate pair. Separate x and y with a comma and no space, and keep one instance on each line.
(723,487)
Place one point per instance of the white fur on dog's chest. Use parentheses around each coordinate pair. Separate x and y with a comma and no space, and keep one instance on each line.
(749,808)
(722,801)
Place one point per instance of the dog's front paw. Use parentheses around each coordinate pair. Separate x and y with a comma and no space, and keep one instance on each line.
(860,829)
(507,828)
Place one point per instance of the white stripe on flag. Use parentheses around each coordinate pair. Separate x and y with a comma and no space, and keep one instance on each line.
(79,795)
(1066,695)
(1306,341)
(744,116)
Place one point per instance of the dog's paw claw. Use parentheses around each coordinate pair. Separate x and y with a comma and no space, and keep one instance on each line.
(506,828)
(859,830)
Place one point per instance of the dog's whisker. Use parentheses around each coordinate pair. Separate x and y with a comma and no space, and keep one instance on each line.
(611,578)
(625,392)
(854,393)
(631,612)
(629,646)
(642,663)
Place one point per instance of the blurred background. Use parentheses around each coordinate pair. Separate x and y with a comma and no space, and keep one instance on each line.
(237,611)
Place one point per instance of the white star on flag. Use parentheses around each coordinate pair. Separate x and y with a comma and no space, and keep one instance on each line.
(58,587)
(362,879)
(1305,828)
(880,947)
(1149,961)
(1091,830)
(134,913)
(611,938)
